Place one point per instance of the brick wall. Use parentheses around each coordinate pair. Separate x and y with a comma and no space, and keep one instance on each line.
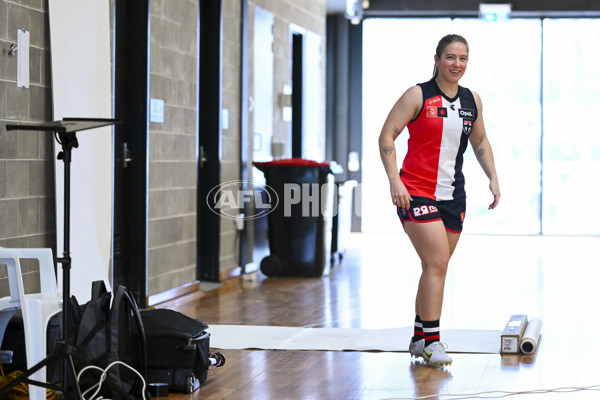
(27,205)
(173,145)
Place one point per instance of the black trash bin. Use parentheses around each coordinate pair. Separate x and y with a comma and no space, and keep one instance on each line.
(300,224)
(342,219)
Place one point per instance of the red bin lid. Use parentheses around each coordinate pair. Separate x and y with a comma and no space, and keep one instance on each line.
(295,162)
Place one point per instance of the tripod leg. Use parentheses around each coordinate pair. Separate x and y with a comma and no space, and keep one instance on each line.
(73,391)
(37,389)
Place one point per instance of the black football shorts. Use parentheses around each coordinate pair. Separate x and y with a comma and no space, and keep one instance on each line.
(423,209)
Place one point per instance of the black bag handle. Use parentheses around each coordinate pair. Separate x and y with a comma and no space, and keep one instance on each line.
(98,289)
(140,327)
(123,296)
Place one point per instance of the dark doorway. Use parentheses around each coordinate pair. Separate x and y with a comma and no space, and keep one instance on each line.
(131,142)
(297,95)
(209,137)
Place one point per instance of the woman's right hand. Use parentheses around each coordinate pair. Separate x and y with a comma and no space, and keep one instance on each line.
(400,196)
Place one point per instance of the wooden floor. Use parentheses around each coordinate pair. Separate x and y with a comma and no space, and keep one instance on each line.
(490,278)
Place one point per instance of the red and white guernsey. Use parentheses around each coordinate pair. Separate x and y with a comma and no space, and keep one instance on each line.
(438,138)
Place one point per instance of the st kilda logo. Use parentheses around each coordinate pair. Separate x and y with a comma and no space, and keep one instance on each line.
(467,115)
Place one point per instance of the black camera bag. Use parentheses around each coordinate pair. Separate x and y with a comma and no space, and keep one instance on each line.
(178,349)
(107,329)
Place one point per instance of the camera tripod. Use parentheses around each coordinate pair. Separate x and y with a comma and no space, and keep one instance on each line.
(65,133)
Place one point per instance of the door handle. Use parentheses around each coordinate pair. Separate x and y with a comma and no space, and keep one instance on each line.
(202,157)
(126,155)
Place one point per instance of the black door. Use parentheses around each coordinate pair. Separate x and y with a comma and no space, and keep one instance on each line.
(131,141)
(297,95)
(209,137)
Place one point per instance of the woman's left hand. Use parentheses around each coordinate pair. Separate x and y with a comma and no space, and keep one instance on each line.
(495,189)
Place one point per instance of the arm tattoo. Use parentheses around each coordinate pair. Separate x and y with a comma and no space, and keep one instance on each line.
(480,152)
(396,132)
(388,150)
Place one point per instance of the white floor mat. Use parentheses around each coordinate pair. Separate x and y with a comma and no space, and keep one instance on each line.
(344,339)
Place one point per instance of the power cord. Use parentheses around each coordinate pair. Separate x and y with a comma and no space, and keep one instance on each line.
(20,391)
(98,385)
(501,394)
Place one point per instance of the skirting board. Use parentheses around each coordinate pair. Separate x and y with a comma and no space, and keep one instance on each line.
(344,339)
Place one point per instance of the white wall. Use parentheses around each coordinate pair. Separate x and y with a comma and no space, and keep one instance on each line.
(81,87)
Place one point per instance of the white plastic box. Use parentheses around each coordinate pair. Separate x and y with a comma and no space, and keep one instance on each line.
(513,333)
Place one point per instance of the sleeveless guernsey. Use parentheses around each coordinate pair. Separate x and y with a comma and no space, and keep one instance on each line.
(438,138)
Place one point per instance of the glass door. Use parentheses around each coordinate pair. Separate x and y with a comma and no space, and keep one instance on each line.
(505,70)
(539,83)
(399,53)
(571,146)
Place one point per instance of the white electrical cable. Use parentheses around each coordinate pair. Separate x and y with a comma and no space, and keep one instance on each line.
(98,385)
(501,394)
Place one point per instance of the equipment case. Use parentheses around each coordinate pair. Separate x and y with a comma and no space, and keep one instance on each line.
(178,349)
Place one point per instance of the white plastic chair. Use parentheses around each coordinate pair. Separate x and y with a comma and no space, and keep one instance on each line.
(37,308)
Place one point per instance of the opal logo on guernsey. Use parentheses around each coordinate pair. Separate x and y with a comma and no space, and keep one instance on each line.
(466,113)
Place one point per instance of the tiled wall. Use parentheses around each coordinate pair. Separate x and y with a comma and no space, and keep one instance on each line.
(306,14)
(172,147)
(27,210)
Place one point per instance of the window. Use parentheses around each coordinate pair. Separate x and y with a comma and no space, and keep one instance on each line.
(537,80)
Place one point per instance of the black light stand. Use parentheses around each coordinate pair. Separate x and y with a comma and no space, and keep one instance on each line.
(65,133)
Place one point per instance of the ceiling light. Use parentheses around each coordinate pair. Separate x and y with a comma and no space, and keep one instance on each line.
(495,12)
